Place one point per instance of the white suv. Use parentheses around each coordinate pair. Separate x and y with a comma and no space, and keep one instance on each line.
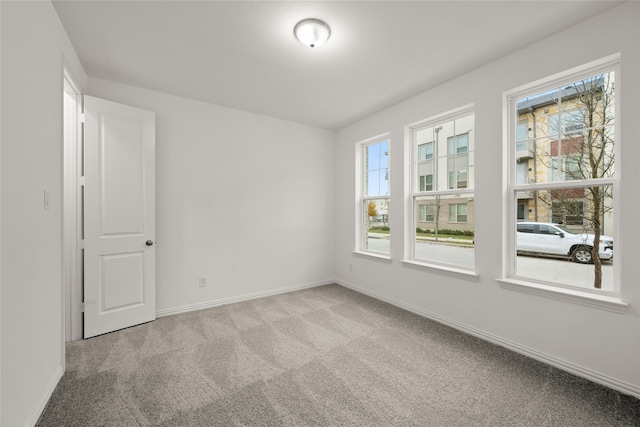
(542,238)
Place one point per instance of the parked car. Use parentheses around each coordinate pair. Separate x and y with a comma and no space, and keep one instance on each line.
(542,238)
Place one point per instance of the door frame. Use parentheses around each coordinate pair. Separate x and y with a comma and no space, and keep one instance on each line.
(72,214)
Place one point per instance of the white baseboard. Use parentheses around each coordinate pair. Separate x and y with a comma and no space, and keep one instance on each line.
(45,399)
(572,368)
(239,298)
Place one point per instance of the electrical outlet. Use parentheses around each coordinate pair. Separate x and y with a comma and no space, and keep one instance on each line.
(202,281)
(350,267)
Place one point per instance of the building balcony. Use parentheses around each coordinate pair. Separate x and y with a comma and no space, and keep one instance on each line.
(520,195)
(524,150)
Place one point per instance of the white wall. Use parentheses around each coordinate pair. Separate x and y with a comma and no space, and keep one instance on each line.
(243,199)
(33,47)
(601,345)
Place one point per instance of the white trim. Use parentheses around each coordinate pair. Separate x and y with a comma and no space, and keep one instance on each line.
(604,302)
(240,298)
(360,197)
(51,386)
(441,267)
(564,365)
(411,195)
(510,279)
(72,217)
(378,255)
(566,77)
(452,114)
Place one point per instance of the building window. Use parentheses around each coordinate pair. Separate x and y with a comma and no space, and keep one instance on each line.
(426,182)
(457,144)
(442,166)
(425,151)
(567,202)
(568,212)
(522,211)
(373,227)
(427,213)
(458,212)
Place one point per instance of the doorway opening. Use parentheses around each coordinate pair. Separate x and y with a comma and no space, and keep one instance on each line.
(72,214)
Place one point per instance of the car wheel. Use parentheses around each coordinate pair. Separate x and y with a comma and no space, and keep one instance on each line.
(582,254)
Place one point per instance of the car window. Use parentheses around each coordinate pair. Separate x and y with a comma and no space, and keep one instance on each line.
(525,228)
(547,229)
(565,229)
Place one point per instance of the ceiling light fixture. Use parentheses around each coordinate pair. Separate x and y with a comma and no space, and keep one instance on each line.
(312,32)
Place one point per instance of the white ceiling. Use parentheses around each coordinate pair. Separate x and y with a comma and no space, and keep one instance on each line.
(242,54)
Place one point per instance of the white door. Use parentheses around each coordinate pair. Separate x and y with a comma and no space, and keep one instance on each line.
(119,216)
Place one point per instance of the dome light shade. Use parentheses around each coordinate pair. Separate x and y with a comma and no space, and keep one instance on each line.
(312,32)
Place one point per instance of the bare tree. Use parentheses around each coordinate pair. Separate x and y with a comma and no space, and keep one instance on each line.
(437,217)
(584,149)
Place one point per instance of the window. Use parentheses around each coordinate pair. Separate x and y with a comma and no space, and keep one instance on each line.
(458,212)
(569,212)
(522,209)
(425,151)
(522,173)
(567,122)
(373,188)
(427,213)
(426,182)
(442,197)
(522,135)
(457,144)
(569,197)
(525,228)
(457,179)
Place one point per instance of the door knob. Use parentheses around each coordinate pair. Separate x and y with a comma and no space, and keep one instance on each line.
(149,242)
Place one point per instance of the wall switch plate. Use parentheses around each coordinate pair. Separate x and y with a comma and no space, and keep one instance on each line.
(202,281)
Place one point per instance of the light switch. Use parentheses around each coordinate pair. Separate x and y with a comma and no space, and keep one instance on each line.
(46,200)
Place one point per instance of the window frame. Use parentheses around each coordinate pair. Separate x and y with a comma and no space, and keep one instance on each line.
(608,300)
(362,199)
(413,181)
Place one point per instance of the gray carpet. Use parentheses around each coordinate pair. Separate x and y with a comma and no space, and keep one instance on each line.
(324,356)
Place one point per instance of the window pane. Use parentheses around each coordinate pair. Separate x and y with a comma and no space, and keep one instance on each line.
(373,183)
(445,233)
(453,212)
(522,173)
(522,131)
(373,157)
(445,150)
(572,131)
(377,225)
(462,179)
(384,154)
(428,183)
(373,221)
(462,143)
(451,145)
(422,152)
(563,226)
(377,169)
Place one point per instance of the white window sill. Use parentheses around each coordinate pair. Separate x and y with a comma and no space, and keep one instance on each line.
(375,255)
(468,274)
(575,296)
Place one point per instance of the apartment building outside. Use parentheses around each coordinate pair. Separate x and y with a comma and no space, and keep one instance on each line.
(567,135)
